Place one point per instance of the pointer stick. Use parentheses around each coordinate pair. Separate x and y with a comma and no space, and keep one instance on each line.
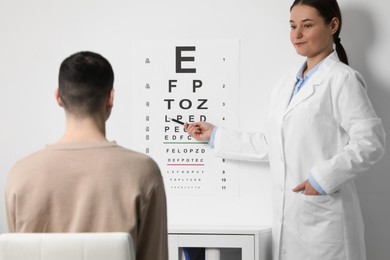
(176,121)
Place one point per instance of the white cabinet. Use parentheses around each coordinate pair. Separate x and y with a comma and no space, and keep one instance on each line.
(254,242)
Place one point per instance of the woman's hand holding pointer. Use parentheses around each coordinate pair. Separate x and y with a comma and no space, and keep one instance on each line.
(201,131)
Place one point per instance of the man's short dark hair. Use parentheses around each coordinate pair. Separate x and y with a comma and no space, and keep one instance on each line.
(85,80)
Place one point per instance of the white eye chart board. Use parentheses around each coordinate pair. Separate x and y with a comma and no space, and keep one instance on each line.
(188,81)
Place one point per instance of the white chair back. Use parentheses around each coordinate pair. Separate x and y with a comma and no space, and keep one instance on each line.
(66,246)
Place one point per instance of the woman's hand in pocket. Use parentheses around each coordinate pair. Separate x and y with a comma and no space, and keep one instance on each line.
(306,188)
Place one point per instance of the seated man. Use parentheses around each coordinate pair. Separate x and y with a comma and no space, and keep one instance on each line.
(84,183)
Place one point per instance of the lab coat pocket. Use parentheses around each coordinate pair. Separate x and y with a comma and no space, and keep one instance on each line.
(320,219)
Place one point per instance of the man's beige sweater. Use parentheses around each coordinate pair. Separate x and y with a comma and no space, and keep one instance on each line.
(90,187)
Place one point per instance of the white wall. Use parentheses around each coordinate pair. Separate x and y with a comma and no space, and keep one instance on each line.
(35,36)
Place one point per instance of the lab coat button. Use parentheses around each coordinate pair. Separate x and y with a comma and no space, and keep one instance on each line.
(283,251)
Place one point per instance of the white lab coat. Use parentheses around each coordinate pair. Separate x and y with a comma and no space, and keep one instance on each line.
(329,129)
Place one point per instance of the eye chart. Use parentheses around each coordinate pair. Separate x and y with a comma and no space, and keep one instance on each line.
(186,81)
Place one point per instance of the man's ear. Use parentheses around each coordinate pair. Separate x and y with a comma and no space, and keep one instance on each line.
(57,97)
(111,98)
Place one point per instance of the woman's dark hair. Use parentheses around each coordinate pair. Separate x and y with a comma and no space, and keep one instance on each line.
(328,9)
(85,79)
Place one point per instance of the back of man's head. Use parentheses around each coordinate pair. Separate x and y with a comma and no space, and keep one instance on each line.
(85,80)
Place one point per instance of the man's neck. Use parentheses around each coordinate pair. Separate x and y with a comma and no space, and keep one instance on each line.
(85,130)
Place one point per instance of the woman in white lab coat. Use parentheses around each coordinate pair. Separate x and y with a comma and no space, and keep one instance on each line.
(318,140)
